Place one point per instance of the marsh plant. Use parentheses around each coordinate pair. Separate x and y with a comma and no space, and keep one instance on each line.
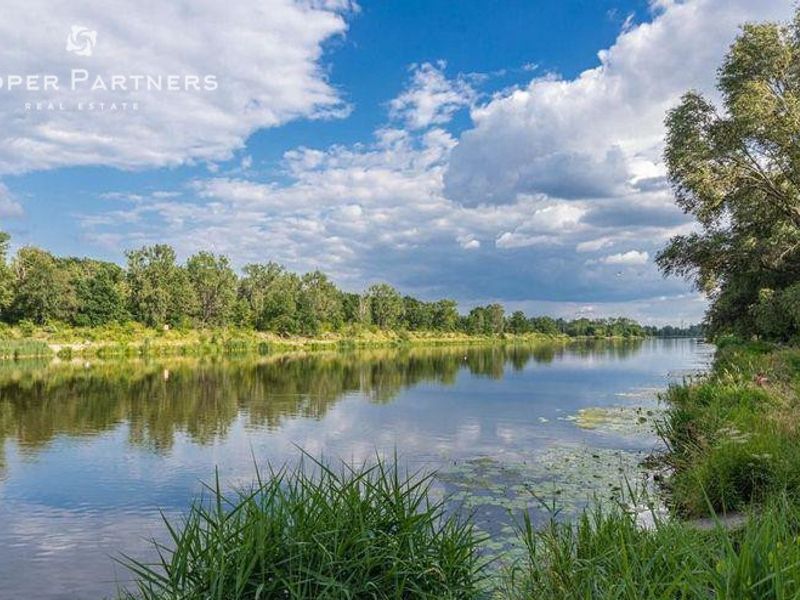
(606,554)
(317,532)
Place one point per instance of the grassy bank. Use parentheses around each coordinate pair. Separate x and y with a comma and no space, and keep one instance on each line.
(734,438)
(133,339)
(732,445)
(370,533)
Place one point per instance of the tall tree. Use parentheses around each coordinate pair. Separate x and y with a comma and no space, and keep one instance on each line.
(320,303)
(42,290)
(214,285)
(100,292)
(280,310)
(518,323)
(418,315)
(253,288)
(160,290)
(496,318)
(386,305)
(736,169)
(445,315)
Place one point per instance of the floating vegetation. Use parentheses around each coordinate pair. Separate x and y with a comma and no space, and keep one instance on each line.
(570,476)
(620,420)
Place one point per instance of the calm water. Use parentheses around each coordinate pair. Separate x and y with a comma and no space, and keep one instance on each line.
(90,454)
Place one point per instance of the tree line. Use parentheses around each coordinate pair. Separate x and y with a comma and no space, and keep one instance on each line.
(156,290)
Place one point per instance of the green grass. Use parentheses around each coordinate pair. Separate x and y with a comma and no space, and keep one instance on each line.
(607,555)
(317,534)
(734,439)
(14,349)
(123,340)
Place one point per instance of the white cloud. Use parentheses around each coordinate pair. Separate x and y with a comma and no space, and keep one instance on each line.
(265,55)
(432,98)
(599,134)
(554,180)
(631,257)
(9,207)
(468,242)
(594,245)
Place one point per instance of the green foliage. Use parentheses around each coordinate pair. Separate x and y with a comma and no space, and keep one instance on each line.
(486,320)
(320,304)
(6,277)
(737,171)
(386,305)
(518,323)
(41,286)
(100,293)
(157,292)
(214,285)
(318,533)
(160,290)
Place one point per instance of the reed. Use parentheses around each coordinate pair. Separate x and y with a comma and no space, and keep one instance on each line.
(318,533)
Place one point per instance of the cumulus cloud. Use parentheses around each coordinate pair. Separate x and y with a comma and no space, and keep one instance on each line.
(598,135)
(432,98)
(264,55)
(557,183)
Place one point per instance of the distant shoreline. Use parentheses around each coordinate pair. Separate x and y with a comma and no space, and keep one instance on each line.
(139,341)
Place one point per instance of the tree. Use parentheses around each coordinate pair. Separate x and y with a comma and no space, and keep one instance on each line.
(546,325)
(253,289)
(418,315)
(496,318)
(6,278)
(476,321)
(214,285)
(280,312)
(273,297)
(41,288)
(518,323)
(320,303)
(445,315)
(160,290)
(736,169)
(386,305)
(100,293)
(356,308)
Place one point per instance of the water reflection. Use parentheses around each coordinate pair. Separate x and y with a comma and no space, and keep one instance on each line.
(91,453)
(202,397)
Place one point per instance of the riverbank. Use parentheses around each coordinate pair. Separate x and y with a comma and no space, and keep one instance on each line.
(133,339)
(731,446)
(731,478)
(734,438)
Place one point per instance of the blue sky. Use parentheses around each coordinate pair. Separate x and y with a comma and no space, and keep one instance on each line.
(479,150)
